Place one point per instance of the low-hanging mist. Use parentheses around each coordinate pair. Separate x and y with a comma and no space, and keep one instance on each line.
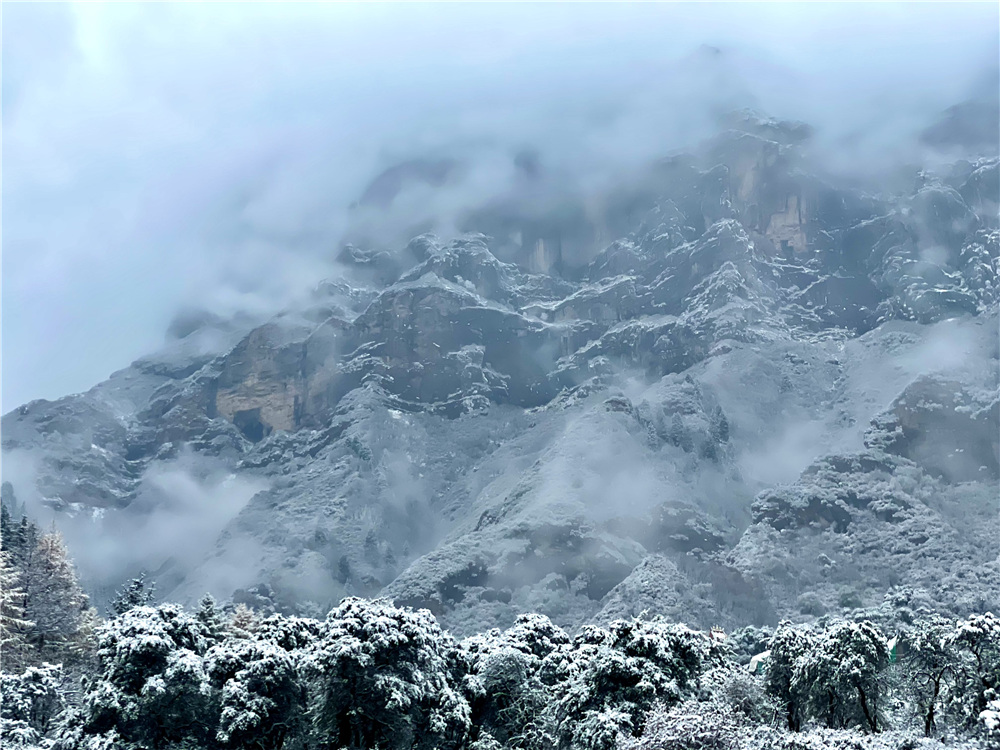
(162,156)
(583,312)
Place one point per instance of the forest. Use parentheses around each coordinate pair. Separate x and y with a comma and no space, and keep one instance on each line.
(373,675)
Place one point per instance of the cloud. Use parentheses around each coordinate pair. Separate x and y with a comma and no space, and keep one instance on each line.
(161,155)
(171,528)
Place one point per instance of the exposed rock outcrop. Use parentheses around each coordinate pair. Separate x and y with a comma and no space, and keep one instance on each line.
(573,413)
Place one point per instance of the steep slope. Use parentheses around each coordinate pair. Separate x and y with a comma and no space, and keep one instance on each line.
(462,431)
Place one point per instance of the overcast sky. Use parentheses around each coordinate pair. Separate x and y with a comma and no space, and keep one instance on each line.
(157,156)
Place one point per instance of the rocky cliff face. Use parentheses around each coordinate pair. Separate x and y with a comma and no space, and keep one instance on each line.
(730,391)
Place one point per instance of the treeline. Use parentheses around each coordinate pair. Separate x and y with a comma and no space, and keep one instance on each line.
(373,675)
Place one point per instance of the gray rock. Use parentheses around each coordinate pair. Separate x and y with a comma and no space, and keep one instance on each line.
(702,394)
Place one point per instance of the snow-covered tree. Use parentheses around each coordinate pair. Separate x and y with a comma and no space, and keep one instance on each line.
(135,593)
(979,638)
(292,634)
(690,725)
(606,682)
(152,689)
(242,621)
(15,733)
(22,543)
(31,699)
(744,695)
(505,692)
(263,699)
(536,634)
(53,599)
(841,676)
(620,673)
(787,646)
(504,684)
(7,528)
(373,675)
(210,616)
(13,623)
(990,718)
(932,664)
(386,677)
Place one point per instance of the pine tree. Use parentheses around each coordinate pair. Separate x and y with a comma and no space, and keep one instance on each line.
(10,508)
(13,623)
(209,616)
(6,526)
(133,594)
(719,428)
(23,544)
(53,601)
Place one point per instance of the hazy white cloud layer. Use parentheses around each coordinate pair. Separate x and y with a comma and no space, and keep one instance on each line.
(159,155)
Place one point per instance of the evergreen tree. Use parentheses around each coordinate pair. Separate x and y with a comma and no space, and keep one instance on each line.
(10,509)
(34,697)
(990,719)
(13,623)
(209,616)
(504,685)
(7,528)
(841,677)
(152,690)
(787,646)
(612,678)
(719,428)
(133,594)
(29,705)
(23,544)
(262,698)
(290,633)
(504,691)
(387,677)
(53,599)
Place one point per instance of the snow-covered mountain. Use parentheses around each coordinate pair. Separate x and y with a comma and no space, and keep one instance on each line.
(728,389)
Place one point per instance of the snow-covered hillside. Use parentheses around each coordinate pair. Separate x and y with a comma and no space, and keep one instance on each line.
(729,390)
